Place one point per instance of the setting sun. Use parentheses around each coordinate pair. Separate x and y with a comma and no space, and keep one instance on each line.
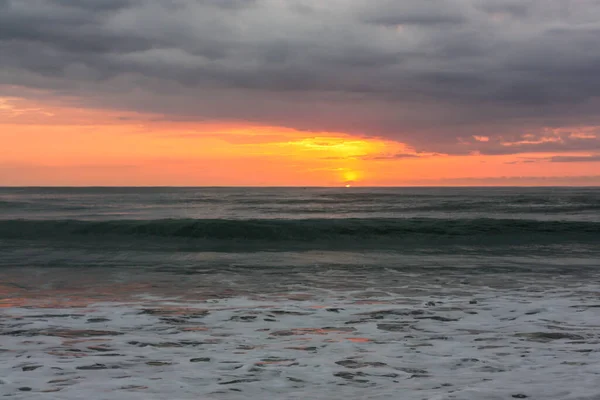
(350,176)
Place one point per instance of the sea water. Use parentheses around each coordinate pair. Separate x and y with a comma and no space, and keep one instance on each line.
(300,293)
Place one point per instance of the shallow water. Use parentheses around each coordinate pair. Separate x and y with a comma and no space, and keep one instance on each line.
(420,297)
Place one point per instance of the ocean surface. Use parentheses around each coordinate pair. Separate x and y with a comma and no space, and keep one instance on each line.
(300,293)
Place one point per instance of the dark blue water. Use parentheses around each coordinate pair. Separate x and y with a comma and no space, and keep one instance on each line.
(220,227)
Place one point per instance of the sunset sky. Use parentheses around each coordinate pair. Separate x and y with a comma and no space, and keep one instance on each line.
(299,92)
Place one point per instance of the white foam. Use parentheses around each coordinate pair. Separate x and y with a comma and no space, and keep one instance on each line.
(448,350)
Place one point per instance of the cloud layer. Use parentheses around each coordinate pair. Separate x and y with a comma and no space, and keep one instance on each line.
(434,74)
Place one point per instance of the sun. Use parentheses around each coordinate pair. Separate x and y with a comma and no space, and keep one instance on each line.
(349,177)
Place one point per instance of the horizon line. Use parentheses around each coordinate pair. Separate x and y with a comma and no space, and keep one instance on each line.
(341,186)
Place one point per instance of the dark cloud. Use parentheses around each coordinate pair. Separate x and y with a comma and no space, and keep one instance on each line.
(521,162)
(592,180)
(561,159)
(429,73)
(544,142)
(399,156)
(431,12)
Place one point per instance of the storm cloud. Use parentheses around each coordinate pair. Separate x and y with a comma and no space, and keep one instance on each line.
(430,73)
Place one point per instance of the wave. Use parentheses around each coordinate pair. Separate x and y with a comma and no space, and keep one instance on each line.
(316,208)
(5,204)
(351,233)
(40,206)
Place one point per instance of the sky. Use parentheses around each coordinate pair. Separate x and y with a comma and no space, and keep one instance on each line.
(299,92)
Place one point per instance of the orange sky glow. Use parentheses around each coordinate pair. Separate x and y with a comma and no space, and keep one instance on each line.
(48,144)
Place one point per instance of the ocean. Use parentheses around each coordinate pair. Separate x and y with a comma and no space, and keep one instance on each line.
(300,293)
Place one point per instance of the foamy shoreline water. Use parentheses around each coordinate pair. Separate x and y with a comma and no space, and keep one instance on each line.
(465,340)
